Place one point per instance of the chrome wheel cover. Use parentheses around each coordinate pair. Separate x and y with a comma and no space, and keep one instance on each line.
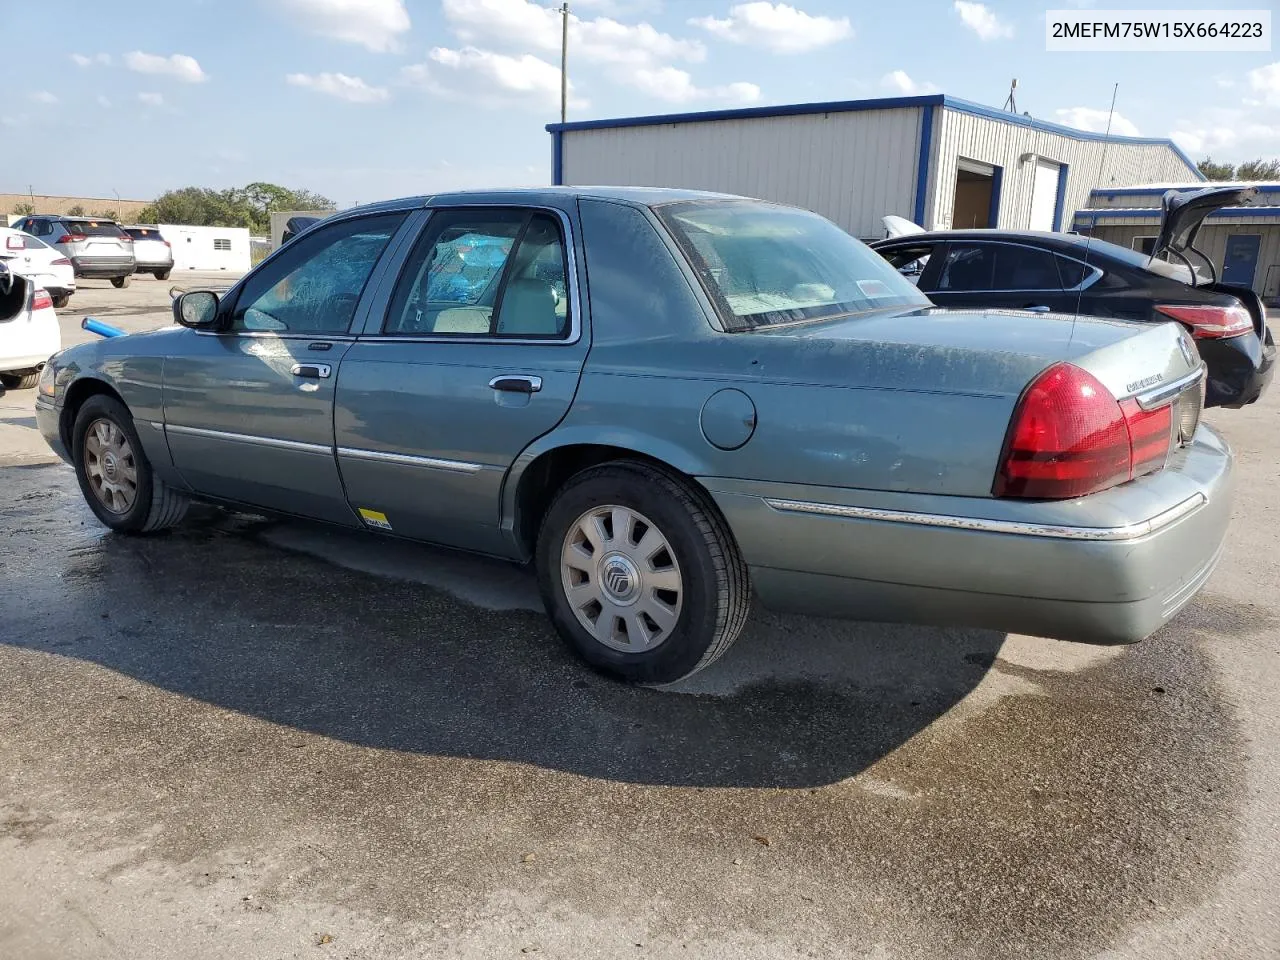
(621,578)
(110,466)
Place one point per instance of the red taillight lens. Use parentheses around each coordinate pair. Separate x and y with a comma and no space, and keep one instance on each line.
(61,262)
(1070,437)
(70,238)
(41,301)
(1208,322)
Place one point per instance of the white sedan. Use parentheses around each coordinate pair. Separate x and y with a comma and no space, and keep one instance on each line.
(44,265)
(29,333)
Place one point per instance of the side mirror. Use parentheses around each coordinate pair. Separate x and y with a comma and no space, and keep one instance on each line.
(197,309)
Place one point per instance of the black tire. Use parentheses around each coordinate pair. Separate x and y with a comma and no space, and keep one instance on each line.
(61,301)
(20,381)
(715,585)
(120,282)
(162,274)
(156,505)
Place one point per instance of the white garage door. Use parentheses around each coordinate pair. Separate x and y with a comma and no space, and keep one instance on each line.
(1044,195)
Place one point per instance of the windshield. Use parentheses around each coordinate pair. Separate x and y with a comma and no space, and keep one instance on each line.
(764,265)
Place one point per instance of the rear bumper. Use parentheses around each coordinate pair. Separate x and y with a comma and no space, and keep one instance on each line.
(1113,570)
(103,267)
(1240,369)
(146,266)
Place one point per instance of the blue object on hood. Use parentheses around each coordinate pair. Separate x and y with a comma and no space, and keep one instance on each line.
(100,328)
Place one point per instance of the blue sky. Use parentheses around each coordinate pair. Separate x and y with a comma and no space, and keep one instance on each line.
(367,99)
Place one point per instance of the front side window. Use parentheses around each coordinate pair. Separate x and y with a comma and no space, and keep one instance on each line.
(315,285)
(763,265)
(493,273)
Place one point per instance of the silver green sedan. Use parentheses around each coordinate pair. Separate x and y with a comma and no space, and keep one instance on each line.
(667,402)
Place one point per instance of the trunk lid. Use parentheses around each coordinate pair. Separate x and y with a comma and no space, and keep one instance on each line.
(1181,215)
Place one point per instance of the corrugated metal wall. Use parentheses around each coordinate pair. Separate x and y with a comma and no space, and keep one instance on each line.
(1213,241)
(850,167)
(957,134)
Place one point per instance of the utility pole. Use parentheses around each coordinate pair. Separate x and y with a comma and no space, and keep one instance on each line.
(564,58)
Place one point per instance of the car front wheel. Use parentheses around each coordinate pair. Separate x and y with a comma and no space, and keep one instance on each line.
(61,301)
(115,476)
(162,274)
(23,380)
(640,574)
(120,282)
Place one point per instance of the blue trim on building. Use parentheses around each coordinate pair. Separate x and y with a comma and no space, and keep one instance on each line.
(1113,192)
(883,103)
(922,162)
(557,158)
(1060,201)
(1153,213)
(997,184)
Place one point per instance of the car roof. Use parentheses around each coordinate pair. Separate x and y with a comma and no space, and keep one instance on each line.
(1048,238)
(639,196)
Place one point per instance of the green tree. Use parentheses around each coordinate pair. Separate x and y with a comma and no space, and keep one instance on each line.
(105,215)
(250,206)
(23,210)
(1216,171)
(1259,170)
(76,211)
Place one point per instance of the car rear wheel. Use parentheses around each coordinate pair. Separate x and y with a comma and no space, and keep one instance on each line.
(61,301)
(115,476)
(162,274)
(22,380)
(640,574)
(120,282)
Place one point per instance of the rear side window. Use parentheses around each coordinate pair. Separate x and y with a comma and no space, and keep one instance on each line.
(1072,272)
(92,228)
(997,266)
(23,241)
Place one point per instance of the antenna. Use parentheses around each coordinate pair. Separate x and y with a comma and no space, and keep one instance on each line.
(1010,103)
(1102,165)
(564,58)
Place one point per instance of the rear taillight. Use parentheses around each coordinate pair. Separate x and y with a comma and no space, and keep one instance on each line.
(1209,322)
(41,301)
(61,262)
(71,238)
(1070,437)
(14,243)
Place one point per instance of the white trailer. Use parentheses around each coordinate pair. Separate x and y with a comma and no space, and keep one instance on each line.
(208,248)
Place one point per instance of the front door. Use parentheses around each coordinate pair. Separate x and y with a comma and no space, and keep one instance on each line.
(475,353)
(249,411)
(1240,262)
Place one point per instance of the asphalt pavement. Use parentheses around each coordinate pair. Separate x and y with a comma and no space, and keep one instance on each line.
(255,738)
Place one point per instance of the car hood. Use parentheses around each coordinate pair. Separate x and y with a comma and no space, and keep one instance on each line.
(1181,214)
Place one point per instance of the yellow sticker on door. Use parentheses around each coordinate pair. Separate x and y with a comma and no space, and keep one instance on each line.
(375,519)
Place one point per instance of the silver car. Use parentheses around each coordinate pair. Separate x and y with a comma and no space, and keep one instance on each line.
(151,250)
(97,248)
(669,402)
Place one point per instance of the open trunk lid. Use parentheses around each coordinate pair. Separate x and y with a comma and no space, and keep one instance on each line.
(1181,215)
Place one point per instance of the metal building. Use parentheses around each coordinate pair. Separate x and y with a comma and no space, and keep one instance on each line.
(936,160)
(1242,242)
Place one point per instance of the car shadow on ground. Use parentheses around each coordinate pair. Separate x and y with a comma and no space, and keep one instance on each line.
(213,611)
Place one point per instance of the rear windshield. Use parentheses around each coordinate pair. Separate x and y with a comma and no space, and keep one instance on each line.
(92,228)
(143,233)
(764,265)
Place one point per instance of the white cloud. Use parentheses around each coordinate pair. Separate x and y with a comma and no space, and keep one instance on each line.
(103,102)
(979,18)
(373,24)
(151,99)
(178,65)
(522,24)
(676,86)
(102,59)
(44,96)
(1265,81)
(1235,138)
(1095,121)
(488,78)
(900,82)
(777,27)
(339,85)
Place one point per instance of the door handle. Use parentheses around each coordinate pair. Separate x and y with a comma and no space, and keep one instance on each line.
(516,384)
(312,371)
(1037,308)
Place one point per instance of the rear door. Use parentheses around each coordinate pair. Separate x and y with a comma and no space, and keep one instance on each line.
(249,411)
(472,354)
(989,273)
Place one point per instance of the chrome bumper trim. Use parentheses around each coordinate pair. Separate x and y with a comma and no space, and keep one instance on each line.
(1131,531)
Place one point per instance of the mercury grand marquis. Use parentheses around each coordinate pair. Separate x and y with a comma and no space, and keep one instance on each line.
(667,402)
